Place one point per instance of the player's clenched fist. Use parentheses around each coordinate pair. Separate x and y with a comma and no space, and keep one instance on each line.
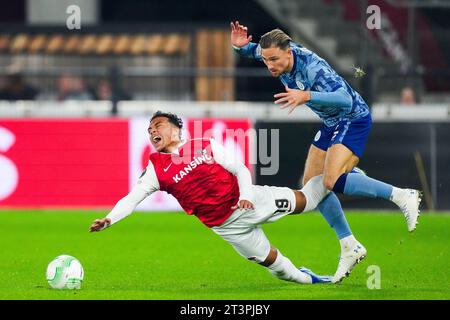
(100,224)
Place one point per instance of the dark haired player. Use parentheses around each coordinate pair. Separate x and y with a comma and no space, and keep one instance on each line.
(212,185)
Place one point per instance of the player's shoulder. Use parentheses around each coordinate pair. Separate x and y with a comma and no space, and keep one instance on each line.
(307,56)
(154,155)
(157,157)
(300,50)
(309,60)
(149,169)
(320,67)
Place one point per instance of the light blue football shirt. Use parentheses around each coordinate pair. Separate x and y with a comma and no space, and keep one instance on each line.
(312,73)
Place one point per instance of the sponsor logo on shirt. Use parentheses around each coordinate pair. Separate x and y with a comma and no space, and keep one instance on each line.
(191,166)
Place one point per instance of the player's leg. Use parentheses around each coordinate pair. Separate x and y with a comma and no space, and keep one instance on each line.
(347,147)
(309,197)
(352,251)
(277,264)
(289,201)
(337,177)
(339,161)
(252,244)
(329,207)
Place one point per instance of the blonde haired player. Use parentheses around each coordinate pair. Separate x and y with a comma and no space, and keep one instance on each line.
(340,142)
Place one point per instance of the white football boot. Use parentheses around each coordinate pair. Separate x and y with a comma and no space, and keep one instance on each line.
(348,260)
(409,203)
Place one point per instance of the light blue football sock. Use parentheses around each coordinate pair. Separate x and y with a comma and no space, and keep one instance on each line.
(331,210)
(355,184)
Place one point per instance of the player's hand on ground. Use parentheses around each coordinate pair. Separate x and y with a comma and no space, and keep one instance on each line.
(292,98)
(239,36)
(100,224)
(243,205)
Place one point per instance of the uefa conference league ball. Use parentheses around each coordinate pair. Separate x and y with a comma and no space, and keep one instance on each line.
(65,272)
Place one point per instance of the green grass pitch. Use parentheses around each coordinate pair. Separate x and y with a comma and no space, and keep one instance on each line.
(174,257)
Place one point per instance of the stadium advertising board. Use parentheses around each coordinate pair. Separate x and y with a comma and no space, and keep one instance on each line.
(89,163)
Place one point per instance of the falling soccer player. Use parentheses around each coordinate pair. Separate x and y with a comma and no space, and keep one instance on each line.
(211,184)
(340,142)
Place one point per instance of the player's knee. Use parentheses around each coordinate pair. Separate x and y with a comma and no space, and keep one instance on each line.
(329,181)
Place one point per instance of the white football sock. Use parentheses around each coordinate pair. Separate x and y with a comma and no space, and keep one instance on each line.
(397,195)
(283,269)
(348,243)
(314,191)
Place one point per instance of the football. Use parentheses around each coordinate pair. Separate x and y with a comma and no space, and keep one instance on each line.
(65,272)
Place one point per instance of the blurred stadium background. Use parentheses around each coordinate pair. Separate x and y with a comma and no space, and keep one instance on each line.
(75,103)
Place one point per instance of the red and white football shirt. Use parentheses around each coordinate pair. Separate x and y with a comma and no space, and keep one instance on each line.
(205,179)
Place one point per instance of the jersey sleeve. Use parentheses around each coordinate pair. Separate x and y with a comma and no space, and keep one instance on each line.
(327,88)
(338,98)
(250,50)
(236,167)
(146,185)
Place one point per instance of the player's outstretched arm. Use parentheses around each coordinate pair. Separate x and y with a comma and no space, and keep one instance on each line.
(239,36)
(147,184)
(122,209)
(241,41)
(327,88)
(292,98)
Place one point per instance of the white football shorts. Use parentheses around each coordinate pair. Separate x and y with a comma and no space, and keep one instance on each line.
(243,228)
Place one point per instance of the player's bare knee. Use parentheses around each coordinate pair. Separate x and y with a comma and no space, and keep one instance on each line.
(329,181)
